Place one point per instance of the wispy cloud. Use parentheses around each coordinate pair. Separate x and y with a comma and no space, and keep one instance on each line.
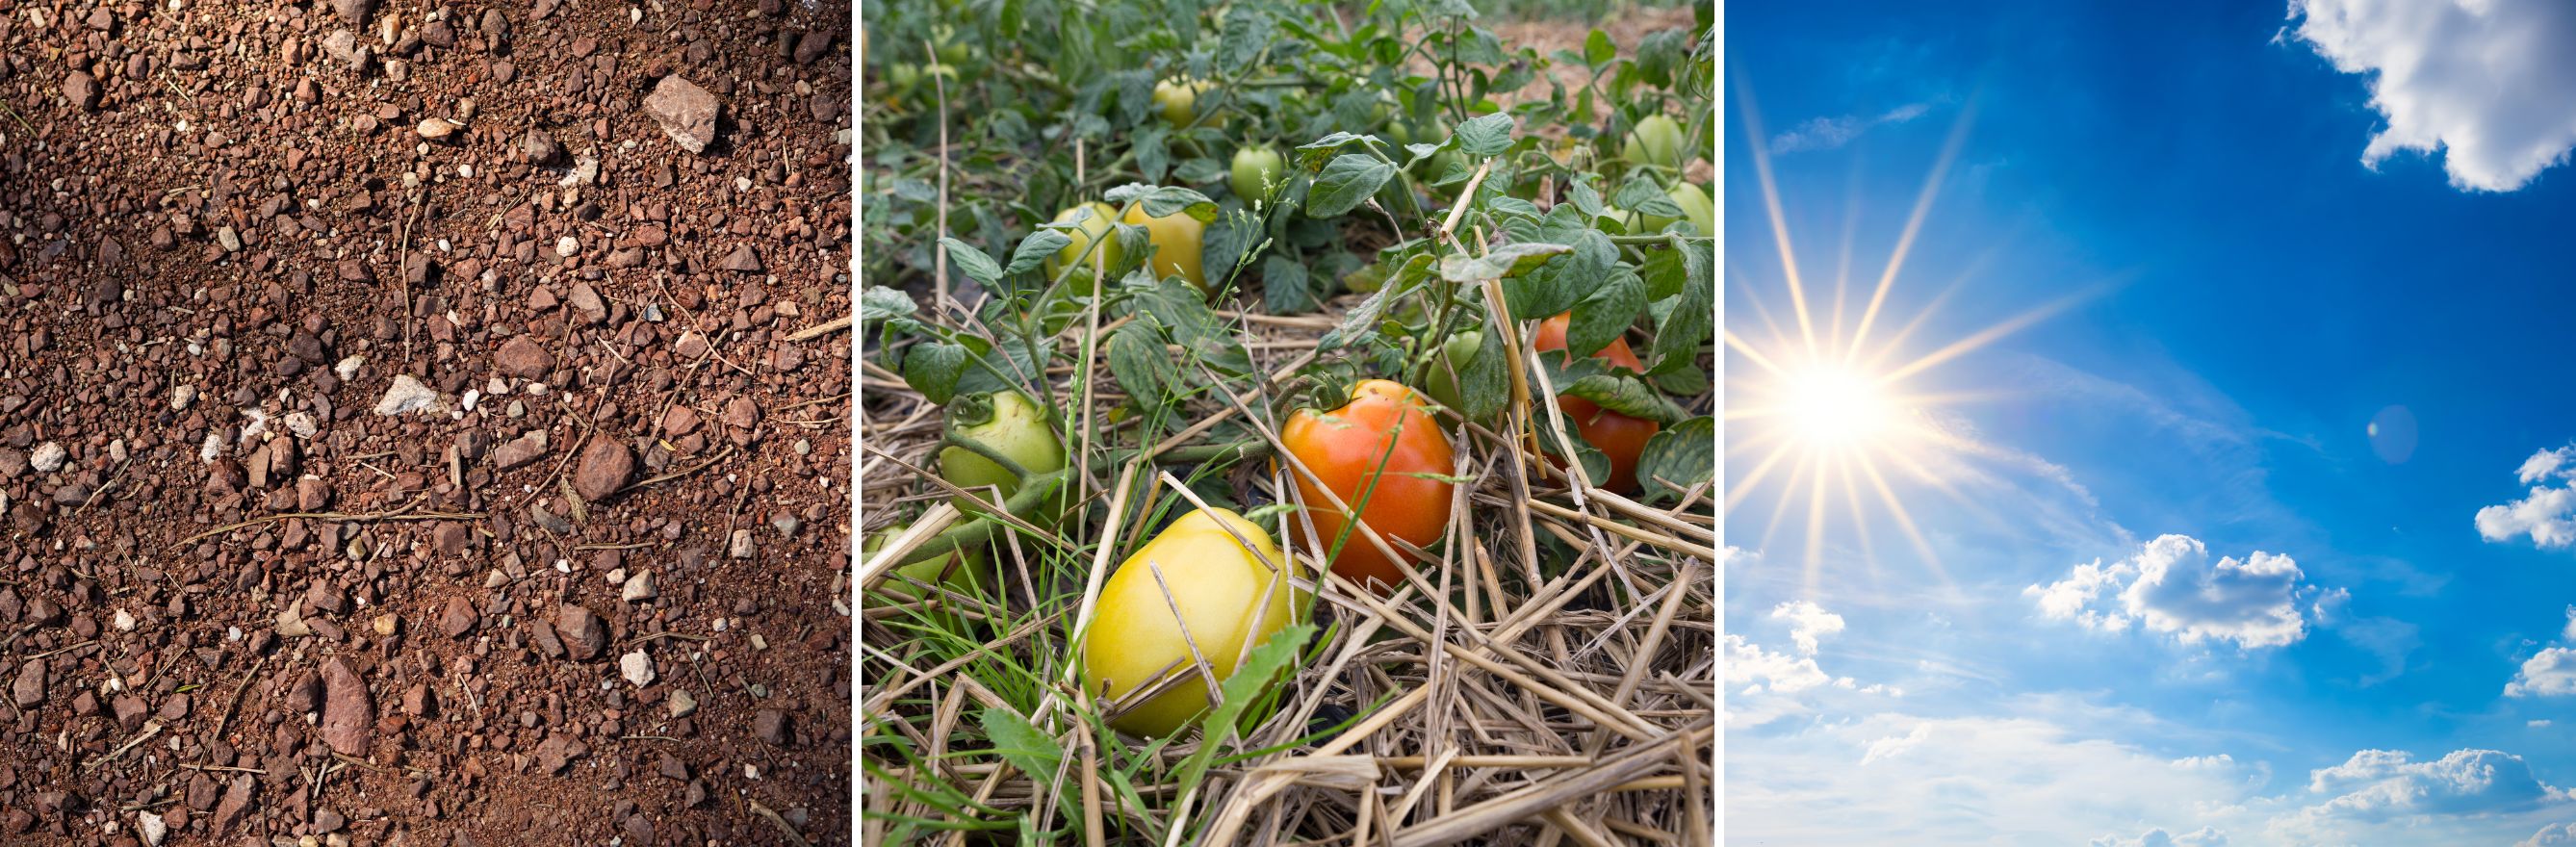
(1826,133)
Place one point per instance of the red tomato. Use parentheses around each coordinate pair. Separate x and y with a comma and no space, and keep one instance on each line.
(1616,435)
(1348,448)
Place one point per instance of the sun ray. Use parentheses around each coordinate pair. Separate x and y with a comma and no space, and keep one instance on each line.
(1745,487)
(1990,334)
(1905,521)
(1913,225)
(1771,205)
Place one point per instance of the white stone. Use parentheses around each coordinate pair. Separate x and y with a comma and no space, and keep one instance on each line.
(302,424)
(347,369)
(49,457)
(638,587)
(567,245)
(124,621)
(154,829)
(182,396)
(637,668)
(681,703)
(408,395)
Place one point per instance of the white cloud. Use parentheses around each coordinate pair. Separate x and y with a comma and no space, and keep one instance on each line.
(2553,835)
(2377,785)
(2067,599)
(2203,837)
(1807,623)
(1896,744)
(1829,133)
(2172,587)
(2489,84)
(1748,666)
(2549,673)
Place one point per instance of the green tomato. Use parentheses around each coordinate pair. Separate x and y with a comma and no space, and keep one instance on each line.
(1094,227)
(1255,169)
(966,572)
(1008,423)
(903,75)
(1455,355)
(1696,208)
(1656,141)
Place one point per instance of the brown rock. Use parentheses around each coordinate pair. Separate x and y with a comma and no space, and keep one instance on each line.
(520,451)
(558,751)
(355,12)
(686,112)
(236,801)
(82,90)
(771,726)
(541,147)
(605,467)
(742,260)
(348,711)
(29,690)
(584,635)
(458,618)
(523,357)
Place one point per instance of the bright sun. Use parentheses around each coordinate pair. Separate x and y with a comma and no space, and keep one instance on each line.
(1824,404)
(1835,407)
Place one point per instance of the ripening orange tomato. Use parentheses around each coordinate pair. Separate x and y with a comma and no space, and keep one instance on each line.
(1616,435)
(1386,437)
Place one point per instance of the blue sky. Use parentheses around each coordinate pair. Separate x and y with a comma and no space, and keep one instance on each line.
(2276,230)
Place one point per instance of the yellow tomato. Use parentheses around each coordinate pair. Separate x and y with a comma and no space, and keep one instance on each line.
(1218,584)
(1178,100)
(1091,228)
(1177,239)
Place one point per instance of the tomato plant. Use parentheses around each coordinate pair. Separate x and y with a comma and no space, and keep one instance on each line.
(1382,455)
(1208,585)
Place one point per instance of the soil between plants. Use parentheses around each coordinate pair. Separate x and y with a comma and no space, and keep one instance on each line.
(590,587)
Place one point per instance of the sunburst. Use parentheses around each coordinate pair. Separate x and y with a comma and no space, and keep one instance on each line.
(1838,411)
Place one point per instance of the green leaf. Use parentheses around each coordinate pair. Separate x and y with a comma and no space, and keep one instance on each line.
(1606,312)
(1624,393)
(1690,322)
(880,303)
(1360,323)
(1153,153)
(1504,262)
(1347,181)
(1285,288)
(1586,199)
(1488,135)
(1640,194)
(1683,454)
(1255,673)
(972,262)
(1557,286)
(932,368)
(1161,201)
(1139,363)
(1024,746)
(1597,49)
(1035,250)
(1248,29)
(1334,141)
(1486,384)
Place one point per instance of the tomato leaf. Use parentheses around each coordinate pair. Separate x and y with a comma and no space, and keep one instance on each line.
(1606,312)
(972,262)
(881,303)
(1504,262)
(1586,199)
(1625,394)
(1139,364)
(1557,286)
(1153,153)
(1488,135)
(1359,323)
(1346,182)
(1035,250)
(1682,454)
(1285,289)
(1687,323)
(1597,49)
(932,368)
(1640,194)
(1247,30)
(1486,384)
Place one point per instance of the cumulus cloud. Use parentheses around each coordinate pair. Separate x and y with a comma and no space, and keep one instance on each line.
(1807,623)
(2377,785)
(2203,837)
(2548,513)
(2490,85)
(1831,132)
(1751,669)
(2172,587)
(2550,672)
(2553,835)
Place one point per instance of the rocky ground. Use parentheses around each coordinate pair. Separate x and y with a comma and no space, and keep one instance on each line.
(409,427)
